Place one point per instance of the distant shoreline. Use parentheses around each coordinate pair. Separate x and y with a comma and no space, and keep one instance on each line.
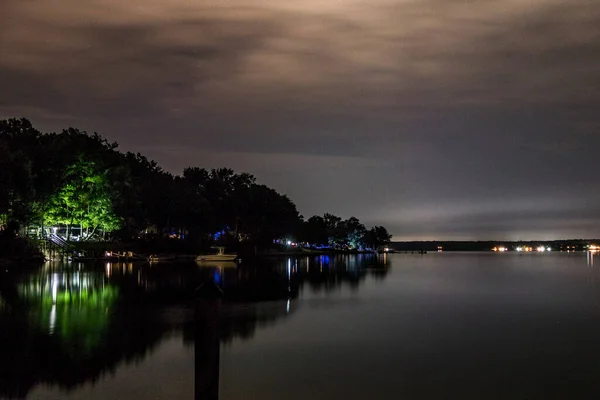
(488,245)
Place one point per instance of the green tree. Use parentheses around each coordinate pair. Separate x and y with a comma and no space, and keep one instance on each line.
(83,200)
(354,232)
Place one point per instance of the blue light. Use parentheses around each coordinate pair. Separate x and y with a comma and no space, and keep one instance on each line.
(217,276)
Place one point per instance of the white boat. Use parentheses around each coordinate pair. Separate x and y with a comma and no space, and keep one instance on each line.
(217,264)
(220,256)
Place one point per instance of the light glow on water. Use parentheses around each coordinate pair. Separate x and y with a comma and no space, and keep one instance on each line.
(357,324)
(52,319)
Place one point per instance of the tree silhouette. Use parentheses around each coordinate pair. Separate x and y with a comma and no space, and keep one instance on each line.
(76,179)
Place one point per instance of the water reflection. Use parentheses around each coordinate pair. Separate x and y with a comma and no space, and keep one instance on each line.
(327,273)
(64,327)
(68,324)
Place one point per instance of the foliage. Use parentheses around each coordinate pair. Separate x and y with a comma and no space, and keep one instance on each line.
(315,231)
(83,199)
(335,233)
(338,233)
(266,215)
(354,232)
(16,180)
(35,167)
(376,237)
(76,179)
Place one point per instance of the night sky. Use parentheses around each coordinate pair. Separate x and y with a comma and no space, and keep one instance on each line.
(440,119)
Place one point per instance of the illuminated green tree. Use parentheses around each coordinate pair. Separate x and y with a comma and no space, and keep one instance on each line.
(354,231)
(84,200)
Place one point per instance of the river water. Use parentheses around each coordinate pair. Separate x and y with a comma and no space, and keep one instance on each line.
(403,326)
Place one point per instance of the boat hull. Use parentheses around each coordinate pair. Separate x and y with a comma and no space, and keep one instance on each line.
(216,257)
(217,264)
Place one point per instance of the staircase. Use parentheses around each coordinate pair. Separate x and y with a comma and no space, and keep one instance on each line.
(64,246)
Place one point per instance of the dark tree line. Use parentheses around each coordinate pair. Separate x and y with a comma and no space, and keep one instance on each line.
(332,231)
(83,184)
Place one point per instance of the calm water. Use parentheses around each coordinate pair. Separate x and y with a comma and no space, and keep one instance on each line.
(449,325)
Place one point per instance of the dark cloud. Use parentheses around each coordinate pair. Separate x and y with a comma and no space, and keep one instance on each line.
(432,117)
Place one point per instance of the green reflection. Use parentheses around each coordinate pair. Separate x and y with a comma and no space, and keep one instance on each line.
(73,307)
(66,325)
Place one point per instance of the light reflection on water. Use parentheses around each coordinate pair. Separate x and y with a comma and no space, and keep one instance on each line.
(590,258)
(471,325)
